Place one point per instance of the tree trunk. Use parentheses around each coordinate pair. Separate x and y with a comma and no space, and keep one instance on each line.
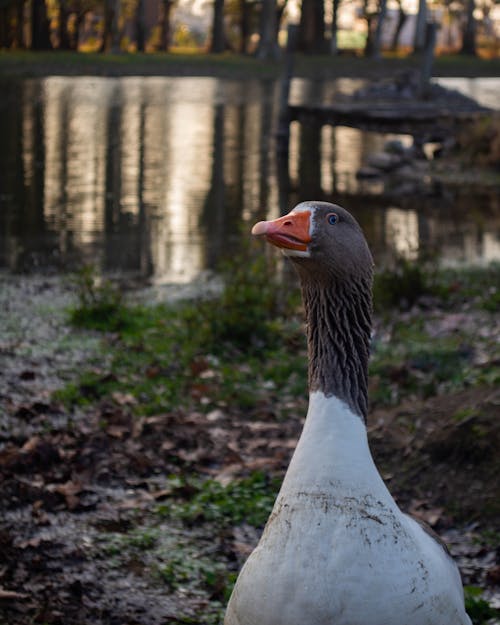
(4,27)
(111,35)
(218,43)
(166,8)
(106,31)
(334,48)
(419,37)
(427,59)
(402,17)
(268,46)
(369,35)
(312,27)
(377,38)
(115,35)
(140,26)
(469,33)
(40,34)
(75,40)
(280,10)
(20,43)
(244,25)
(64,40)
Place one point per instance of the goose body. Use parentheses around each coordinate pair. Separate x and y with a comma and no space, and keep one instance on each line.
(336,549)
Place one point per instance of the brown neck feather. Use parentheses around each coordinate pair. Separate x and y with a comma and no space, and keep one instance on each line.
(338,316)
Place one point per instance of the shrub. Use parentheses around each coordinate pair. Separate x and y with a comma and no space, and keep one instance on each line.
(480,142)
(101,304)
(400,287)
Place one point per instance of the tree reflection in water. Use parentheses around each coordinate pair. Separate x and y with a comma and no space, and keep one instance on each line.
(154,176)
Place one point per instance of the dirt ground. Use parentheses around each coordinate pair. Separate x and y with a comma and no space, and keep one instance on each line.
(69,479)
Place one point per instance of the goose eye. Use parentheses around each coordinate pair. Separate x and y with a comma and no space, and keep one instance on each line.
(332,218)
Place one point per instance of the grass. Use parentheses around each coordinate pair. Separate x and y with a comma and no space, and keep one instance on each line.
(100,302)
(182,63)
(247,500)
(237,347)
(175,562)
(402,285)
(194,565)
(478,608)
(161,354)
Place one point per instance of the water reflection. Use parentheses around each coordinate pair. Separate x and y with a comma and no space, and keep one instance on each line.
(484,90)
(154,175)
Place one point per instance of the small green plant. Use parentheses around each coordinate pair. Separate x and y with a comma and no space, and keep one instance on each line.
(481,140)
(478,608)
(491,301)
(90,387)
(400,287)
(140,539)
(183,568)
(250,499)
(100,303)
(245,314)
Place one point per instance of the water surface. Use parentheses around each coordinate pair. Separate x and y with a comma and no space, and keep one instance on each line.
(155,175)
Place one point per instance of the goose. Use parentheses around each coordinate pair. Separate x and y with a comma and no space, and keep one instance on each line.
(336,549)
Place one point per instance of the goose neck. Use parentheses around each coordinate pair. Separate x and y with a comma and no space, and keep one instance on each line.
(338,317)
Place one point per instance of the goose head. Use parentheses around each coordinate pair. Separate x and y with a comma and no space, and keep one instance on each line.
(322,239)
(335,266)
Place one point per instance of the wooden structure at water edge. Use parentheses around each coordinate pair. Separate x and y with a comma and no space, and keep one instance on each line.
(424,120)
(408,103)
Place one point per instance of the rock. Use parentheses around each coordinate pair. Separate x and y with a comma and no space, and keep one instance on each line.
(384,161)
(395,146)
(365,173)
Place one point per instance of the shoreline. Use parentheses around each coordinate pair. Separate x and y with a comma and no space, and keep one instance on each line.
(26,64)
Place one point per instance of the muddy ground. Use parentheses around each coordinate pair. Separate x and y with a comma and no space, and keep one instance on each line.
(81,540)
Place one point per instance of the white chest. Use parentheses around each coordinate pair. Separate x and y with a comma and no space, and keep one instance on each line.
(336,549)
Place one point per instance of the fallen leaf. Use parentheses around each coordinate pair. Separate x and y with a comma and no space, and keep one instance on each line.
(11,594)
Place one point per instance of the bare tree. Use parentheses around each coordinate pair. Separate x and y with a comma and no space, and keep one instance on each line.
(469,32)
(165,11)
(377,38)
(19,35)
(333,39)
(111,37)
(140,26)
(402,17)
(419,37)
(312,27)
(62,26)
(218,43)
(40,33)
(268,47)
(245,14)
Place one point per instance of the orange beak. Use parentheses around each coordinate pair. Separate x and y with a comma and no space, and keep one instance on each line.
(291,232)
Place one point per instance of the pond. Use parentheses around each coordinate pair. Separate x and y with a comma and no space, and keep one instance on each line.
(155,176)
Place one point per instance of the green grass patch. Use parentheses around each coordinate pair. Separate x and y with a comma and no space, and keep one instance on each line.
(240,347)
(100,302)
(177,561)
(479,610)
(248,500)
(163,355)
(181,63)
(402,286)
